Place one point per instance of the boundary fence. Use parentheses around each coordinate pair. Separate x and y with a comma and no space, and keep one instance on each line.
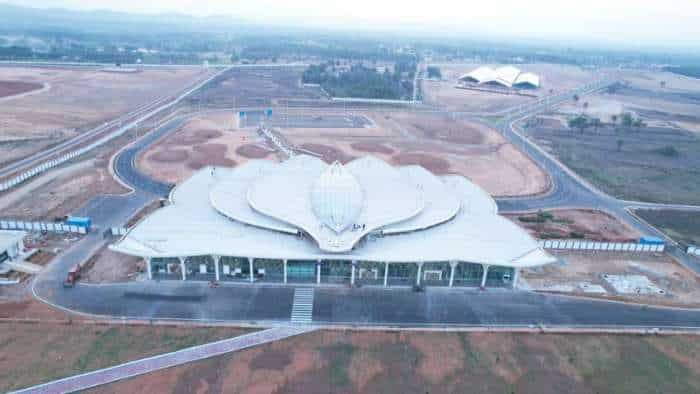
(55,227)
(572,244)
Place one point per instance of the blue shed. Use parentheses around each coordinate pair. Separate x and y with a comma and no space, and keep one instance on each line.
(79,221)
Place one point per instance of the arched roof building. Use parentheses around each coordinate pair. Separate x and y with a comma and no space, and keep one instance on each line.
(506,76)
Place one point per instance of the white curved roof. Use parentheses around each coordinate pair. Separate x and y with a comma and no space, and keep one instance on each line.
(429,218)
(507,76)
(528,78)
(481,74)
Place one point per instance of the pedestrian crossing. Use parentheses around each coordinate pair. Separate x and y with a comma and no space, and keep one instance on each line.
(303,306)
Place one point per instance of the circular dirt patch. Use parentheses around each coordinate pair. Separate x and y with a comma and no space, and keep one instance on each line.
(252,151)
(169,156)
(372,147)
(433,164)
(185,140)
(208,134)
(329,154)
(210,155)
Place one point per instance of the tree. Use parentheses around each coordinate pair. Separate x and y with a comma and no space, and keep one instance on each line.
(596,123)
(627,120)
(579,122)
(620,142)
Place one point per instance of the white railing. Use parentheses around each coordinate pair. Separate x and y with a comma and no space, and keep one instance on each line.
(57,227)
(572,244)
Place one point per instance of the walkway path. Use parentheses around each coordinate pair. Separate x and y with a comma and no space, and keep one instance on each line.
(151,364)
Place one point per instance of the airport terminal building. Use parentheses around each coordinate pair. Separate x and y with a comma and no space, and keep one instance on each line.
(305,221)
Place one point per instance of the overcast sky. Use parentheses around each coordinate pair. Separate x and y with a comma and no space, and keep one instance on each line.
(657,22)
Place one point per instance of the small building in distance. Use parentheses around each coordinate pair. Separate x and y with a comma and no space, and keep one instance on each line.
(508,77)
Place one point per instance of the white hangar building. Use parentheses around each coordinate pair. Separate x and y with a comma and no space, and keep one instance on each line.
(305,221)
(507,76)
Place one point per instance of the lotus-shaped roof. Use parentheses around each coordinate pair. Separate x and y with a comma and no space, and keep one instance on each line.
(306,209)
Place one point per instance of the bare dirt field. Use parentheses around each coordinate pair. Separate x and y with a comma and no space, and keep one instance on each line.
(39,352)
(11,88)
(246,87)
(389,362)
(60,192)
(576,223)
(207,139)
(580,270)
(439,143)
(77,99)
(554,78)
(107,266)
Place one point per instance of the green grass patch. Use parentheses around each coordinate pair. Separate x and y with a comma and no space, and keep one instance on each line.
(339,356)
(682,226)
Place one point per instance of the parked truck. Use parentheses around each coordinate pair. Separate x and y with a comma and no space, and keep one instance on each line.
(73,276)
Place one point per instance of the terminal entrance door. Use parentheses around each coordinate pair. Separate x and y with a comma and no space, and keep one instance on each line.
(301,271)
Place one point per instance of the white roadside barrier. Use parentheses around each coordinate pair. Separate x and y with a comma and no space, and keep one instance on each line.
(573,244)
(54,227)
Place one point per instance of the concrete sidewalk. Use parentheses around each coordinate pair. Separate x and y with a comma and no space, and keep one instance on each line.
(151,364)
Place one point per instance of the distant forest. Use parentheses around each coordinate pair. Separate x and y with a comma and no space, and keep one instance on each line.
(363,82)
(688,71)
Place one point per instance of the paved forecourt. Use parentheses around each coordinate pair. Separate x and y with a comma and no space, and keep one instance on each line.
(370,305)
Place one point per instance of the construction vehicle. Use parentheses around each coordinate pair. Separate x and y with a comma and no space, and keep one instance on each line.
(73,276)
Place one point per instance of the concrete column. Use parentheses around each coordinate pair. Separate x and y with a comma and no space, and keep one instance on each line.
(318,272)
(483,276)
(284,271)
(182,267)
(420,270)
(216,266)
(149,269)
(386,274)
(250,268)
(453,265)
(352,272)
(516,275)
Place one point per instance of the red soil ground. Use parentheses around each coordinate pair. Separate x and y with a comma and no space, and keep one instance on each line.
(209,154)
(252,151)
(372,147)
(170,156)
(329,154)
(433,164)
(11,88)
